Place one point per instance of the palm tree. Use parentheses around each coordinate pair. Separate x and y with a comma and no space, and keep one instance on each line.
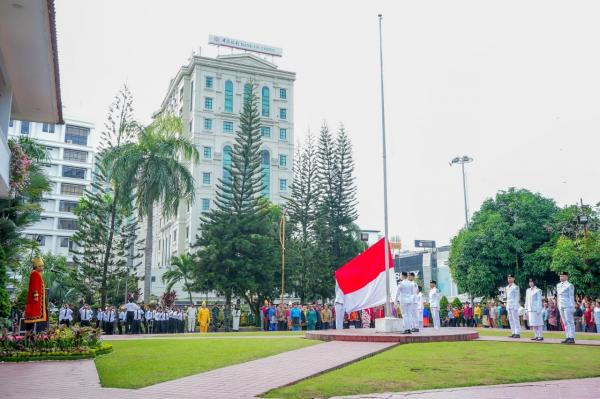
(151,168)
(182,269)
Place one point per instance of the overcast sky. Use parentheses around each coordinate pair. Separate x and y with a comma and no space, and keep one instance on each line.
(513,84)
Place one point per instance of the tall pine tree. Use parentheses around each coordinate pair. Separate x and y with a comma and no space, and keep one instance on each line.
(237,247)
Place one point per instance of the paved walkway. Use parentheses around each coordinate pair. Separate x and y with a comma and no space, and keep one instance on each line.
(59,380)
(562,389)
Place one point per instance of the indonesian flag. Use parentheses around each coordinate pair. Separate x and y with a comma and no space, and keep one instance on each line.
(360,283)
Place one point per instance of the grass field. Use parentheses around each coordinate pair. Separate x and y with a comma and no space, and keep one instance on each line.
(486,332)
(226,334)
(450,364)
(139,363)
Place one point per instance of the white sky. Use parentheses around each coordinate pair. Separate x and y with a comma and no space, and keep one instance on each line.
(513,84)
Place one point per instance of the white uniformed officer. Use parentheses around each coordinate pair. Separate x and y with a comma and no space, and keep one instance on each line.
(513,298)
(339,307)
(565,293)
(533,306)
(420,306)
(434,303)
(404,295)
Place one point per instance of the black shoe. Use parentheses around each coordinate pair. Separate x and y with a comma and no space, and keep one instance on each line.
(406,332)
(534,338)
(539,339)
(517,336)
(415,330)
(566,341)
(570,341)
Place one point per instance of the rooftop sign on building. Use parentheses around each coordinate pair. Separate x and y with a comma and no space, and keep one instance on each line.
(245,45)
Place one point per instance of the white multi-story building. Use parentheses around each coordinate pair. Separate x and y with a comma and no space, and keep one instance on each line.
(208,94)
(69,169)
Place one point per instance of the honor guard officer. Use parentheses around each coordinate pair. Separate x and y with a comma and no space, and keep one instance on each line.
(565,293)
(137,320)
(420,307)
(434,304)
(414,306)
(85,315)
(131,307)
(404,296)
(534,306)
(513,297)
(191,319)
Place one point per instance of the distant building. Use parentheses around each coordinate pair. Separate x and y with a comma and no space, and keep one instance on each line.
(208,94)
(69,169)
(430,264)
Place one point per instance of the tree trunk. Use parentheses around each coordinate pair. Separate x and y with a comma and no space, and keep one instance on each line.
(148,256)
(111,233)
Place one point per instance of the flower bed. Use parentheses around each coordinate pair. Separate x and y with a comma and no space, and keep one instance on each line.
(56,344)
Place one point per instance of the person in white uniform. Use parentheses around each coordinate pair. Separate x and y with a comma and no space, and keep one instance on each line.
(565,293)
(434,304)
(513,296)
(414,303)
(236,314)
(404,296)
(191,318)
(420,307)
(65,315)
(534,307)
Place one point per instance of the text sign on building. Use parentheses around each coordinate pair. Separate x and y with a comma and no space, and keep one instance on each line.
(424,244)
(244,45)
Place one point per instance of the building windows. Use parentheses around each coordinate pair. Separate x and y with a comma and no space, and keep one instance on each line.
(227,127)
(191,96)
(207,152)
(41,239)
(265,164)
(67,206)
(228,96)
(73,172)
(71,189)
(283,134)
(24,127)
(68,224)
(64,242)
(208,103)
(205,177)
(282,160)
(265,131)
(265,101)
(227,163)
(282,185)
(11,123)
(187,232)
(76,135)
(191,126)
(208,82)
(205,204)
(283,94)
(75,155)
(48,127)
(207,124)
(282,113)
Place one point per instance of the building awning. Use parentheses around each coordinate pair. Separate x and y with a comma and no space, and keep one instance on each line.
(29,59)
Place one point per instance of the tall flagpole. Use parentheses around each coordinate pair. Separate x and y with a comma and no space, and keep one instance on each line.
(385,205)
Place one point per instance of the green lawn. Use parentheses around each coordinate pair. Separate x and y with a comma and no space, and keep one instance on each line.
(528,334)
(228,334)
(450,364)
(138,363)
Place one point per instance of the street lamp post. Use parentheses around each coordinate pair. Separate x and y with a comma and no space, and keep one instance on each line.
(385,205)
(462,161)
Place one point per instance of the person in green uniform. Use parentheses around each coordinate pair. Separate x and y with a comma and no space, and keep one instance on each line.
(311,318)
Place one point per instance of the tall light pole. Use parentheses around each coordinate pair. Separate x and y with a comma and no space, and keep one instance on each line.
(385,205)
(462,161)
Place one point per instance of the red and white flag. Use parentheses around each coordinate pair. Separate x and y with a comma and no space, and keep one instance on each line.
(360,283)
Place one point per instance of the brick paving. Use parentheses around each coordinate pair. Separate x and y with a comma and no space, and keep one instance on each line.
(561,389)
(59,380)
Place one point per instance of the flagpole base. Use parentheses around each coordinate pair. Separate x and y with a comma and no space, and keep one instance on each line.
(388,325)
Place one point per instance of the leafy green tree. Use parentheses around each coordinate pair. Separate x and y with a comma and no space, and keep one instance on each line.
(181,271)
(443,306)
(154,169)
(238,247)
(20,210)
(456,303)
(509,234)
